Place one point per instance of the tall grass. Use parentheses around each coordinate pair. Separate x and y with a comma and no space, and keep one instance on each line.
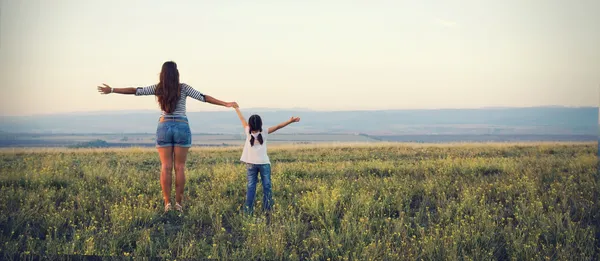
(338,202)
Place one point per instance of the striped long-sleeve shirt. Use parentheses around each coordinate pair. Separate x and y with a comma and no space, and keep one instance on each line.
(186,91)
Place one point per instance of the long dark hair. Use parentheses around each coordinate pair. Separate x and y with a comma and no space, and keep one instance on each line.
(168,90)
(255,124)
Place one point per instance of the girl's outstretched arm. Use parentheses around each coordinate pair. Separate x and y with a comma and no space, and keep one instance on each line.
(283,124)
(105,89)
(239,113)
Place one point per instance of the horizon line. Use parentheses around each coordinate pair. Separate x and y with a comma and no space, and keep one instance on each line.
(304,109)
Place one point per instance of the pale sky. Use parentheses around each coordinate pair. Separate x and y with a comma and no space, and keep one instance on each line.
(321,55)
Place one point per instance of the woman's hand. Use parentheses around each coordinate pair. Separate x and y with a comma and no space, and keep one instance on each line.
(294,119)
(231,104)
(215,101)
(104,89)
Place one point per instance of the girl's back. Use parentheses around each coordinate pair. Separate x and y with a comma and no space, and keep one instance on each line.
(257,153)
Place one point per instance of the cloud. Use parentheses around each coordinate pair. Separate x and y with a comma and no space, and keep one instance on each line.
(445,23)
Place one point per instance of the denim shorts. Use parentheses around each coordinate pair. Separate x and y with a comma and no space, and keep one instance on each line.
(173,131)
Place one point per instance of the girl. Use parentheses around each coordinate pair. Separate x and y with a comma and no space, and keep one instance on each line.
(256,159)
(173,135)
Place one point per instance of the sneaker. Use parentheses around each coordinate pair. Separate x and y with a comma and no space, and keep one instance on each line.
(167,207)
(178,207)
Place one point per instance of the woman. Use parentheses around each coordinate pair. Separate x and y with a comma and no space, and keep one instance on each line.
(173,135)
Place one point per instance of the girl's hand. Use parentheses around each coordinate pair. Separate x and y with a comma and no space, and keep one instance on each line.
(104,89)
(294,119)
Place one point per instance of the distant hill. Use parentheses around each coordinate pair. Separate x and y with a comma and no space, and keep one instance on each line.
(487,121)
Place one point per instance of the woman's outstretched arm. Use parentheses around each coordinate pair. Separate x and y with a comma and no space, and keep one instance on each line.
(105,89)
(283,124)
(216,101)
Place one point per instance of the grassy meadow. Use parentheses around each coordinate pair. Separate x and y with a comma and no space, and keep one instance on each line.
(339,202)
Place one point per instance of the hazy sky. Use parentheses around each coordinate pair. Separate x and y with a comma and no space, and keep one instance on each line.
(322,55)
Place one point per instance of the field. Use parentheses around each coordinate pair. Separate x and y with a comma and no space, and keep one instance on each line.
(340,202)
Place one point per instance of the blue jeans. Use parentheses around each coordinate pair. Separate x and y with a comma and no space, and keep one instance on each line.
(265,177)
(173,131)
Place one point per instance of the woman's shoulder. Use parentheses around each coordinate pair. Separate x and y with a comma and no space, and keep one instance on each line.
(185,88)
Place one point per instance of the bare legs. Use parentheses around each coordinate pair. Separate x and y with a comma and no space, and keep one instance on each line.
(180,158)
(166,160)
(172,157)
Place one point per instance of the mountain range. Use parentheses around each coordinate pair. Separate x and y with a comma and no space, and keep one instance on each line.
(550,120)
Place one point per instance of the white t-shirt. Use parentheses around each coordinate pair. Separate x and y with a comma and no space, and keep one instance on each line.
(256,154)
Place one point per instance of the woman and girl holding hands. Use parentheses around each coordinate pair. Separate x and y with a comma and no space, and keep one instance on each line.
(174,138)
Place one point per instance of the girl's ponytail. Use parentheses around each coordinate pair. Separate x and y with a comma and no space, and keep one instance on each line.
(255,123)
(260,139)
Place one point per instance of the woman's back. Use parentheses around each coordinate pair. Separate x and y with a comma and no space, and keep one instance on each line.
(186,91)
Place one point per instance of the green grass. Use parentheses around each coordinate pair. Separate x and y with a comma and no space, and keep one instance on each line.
(342,202)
